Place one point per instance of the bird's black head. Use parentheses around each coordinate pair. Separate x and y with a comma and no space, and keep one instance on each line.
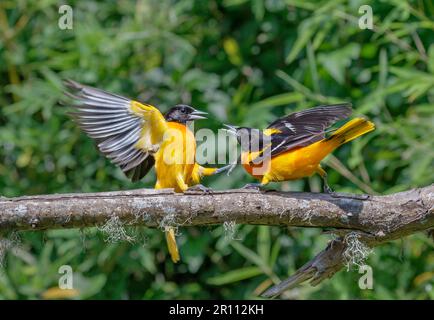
(250,139)
(182,113)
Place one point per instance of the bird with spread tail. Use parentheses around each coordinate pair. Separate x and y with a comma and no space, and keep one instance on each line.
(293,146)
(136,136)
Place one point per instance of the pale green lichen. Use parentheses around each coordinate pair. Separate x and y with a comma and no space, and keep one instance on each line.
(169,220)
(356,252)
(7,244)
(115,231)
(230,228)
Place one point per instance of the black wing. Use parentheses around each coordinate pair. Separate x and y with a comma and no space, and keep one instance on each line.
(305,127)
(108,119)
(138,172)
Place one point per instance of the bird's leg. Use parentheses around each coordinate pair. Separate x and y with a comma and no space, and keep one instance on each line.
(326,186)
(323,176)
(258,186)
(182,186)
(199,188)
(252,186)
(334,194)
(153,148)
(227,168)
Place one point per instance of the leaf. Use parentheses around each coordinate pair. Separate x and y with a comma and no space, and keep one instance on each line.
(278,100)
(228,3)
(89,286)
(313,67)
(382,77)
(305,32)
(264,242)
(235,276)
(338,61)
(252,257)
(258,9)
(431,58)
(306,92)
(415,83)
(232,49)
(275,250)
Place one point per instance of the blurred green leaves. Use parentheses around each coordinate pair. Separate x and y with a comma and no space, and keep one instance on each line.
(338,61)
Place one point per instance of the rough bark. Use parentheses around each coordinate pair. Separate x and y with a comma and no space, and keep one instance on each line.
(374,219)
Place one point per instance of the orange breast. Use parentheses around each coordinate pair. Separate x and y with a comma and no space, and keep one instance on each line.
(256,170)
(293,164)
(176,156)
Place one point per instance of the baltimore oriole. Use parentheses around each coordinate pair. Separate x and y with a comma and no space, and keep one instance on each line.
(136,136)
(293,146)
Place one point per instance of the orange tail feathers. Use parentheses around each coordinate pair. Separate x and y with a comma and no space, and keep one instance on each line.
(350,131)
(171,244)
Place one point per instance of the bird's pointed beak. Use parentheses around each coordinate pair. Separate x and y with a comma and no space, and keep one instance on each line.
(230,129)
(197,115)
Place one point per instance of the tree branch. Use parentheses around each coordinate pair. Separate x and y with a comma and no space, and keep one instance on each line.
(374,219)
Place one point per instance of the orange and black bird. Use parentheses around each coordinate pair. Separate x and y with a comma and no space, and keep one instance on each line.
(136,136)
(293,146)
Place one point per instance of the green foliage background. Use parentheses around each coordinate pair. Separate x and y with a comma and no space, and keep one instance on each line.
(245,62)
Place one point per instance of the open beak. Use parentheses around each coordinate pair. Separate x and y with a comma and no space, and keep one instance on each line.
(231,129)
(197,115)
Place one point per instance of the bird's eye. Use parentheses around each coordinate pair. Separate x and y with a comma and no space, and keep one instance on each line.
(183,109)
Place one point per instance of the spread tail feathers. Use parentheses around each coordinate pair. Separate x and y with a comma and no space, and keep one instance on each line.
(350,131)
(171,244)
